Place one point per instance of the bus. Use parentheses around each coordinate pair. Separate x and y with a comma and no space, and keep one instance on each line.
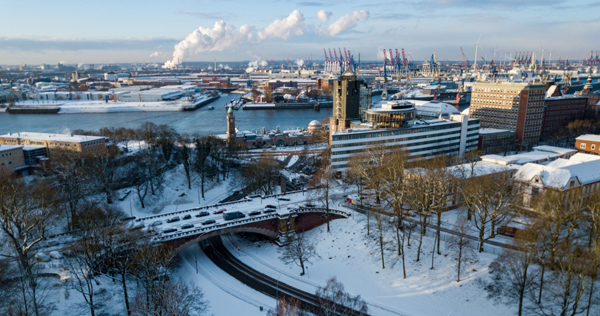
(233,215)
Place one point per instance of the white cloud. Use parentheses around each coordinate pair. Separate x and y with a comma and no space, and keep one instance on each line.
(323,16)
(155,54)
(293,24)
(344,23)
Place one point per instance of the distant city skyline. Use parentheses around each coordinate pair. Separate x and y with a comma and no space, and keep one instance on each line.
(74,32)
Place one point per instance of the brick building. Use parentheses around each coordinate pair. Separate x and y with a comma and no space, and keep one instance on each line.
(588,143)
(514,106)
(53,142)
(560,111)
(495,141)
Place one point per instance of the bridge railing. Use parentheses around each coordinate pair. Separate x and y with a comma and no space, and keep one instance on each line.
(199,231)
(200,208)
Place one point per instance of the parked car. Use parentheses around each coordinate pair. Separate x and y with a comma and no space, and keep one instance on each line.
(283,199)
(254,213)
(188,216)
(270,206)
(208,222)
(203,213)
(187,226)
(173,219)
(220,211)
(157,223)
(169,230)
(269,210)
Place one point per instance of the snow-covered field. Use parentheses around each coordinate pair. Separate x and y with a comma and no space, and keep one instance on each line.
(353,258)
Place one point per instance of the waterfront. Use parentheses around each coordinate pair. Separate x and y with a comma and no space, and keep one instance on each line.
(202,121)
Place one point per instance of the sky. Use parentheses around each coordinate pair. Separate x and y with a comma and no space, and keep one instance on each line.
(73,32)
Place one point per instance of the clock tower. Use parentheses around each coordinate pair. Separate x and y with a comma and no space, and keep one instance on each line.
(230,127)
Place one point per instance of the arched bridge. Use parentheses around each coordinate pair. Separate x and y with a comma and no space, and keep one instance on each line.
(279,225)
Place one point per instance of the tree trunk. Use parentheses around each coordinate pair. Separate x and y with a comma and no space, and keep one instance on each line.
(433,252)
(381,246)
(481,232)
(368,222)
(493,234)
(125,294)
(590,296)
(522,291)
(202,181)
(419,249)
(439,225)
(302,264)
(541,283)
(403,264)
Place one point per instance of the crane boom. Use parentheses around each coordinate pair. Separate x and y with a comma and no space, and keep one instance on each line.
(464,58)
(325,55)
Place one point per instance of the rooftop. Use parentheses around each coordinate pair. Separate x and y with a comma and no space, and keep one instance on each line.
(589,137)
(56,137)
(9,147)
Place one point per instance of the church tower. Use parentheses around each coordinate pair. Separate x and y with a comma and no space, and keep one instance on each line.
(230,127)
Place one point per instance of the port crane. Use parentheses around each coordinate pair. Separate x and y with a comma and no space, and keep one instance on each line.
(464,59)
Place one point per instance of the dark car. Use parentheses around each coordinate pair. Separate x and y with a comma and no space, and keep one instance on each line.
(156,223)
(269,210)
(208,222)
(187,226)
(220,211)
(270,206)
(173,219)
(254,213)
(188,216)
(169,230)
(204,213)
(283,199)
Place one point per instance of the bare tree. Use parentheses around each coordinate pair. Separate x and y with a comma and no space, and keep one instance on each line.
(287,306)
(186,158)
(298,251)
(335,300)
(323,181)
(172,298)
(489,198)
(26,212)
(460,244)
(514,271)
(165,140)
(262,175)
(203,150)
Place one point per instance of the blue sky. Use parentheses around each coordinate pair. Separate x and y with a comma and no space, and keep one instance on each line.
(108,31)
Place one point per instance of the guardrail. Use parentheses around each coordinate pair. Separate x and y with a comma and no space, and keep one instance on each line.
(200,208)
(253,219)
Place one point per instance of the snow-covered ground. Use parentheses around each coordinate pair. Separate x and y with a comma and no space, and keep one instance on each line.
(353,258)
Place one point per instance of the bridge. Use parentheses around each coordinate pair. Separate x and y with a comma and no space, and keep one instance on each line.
(279,225)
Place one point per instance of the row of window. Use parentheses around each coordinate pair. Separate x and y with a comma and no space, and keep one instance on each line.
(6,155)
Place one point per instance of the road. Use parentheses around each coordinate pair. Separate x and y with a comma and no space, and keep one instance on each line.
(218,253)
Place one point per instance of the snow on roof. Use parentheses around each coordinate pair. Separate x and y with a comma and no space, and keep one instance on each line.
(492,130)
(561,177)
(553,149)
(56,137)
(480,168)
(521,159)
(589,137)
(465,111)
(575,159)
(9,147)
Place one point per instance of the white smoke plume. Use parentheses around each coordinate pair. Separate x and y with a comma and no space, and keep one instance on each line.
(221,36)
(324,16)
(209,39)
(293,24)
(299,62)
(155,54)
(344,23)
(264,63)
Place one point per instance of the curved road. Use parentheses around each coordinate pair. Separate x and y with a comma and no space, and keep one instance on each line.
(218,253)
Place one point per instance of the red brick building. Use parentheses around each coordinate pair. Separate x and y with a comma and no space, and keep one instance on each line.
(560,111)
(588,143)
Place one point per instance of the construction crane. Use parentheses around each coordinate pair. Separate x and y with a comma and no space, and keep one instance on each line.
(346,54)
(335,55)
(404,59)
(341,58)
(464,59)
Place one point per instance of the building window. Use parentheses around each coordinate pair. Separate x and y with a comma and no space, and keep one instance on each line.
(582,146)
(593,147)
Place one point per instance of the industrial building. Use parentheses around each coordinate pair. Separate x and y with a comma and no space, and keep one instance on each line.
(54,142)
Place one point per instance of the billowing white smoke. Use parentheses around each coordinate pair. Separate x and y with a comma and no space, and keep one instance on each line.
(344,23)
(249,70)
(155,54)
(221,36)
(209,39)
(264,63)
(299,62)
(284,28)
(323,16)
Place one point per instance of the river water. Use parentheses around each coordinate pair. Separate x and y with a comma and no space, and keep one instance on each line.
(202,121)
